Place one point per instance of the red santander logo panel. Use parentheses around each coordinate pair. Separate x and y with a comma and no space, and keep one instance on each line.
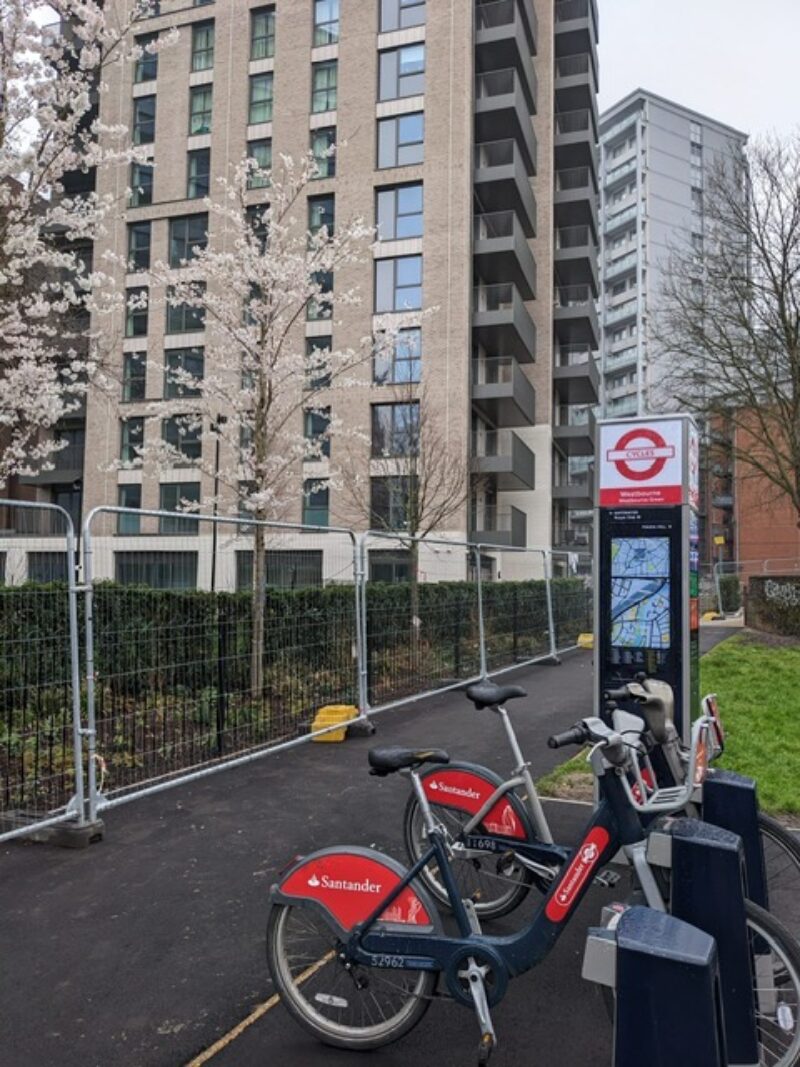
(577,874)
(468,792)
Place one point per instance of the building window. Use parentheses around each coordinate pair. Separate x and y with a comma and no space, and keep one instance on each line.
(185,318)
(389,502)
(257,221)
(134,376)
(129,496)
(402,363)
(141,185)
(262,33)
(318,375)
(203,46)
(398,284)
(144,120)
(402,72)
(138,246)
(183,372)
(326,22)
(136,312)
(260,109)
(400,14)
(201,99)
(401,140)
(46,567)
(178,496)
(321,212)
(324,77)
(261,153)
(146,67)
(131,438)
(187,234)
(323,151)
(198,173)
(288,569)
(158,570)
(182,434)
(389,565)
(321,306)
(316,430)
(399,212)
(395,429)
(316,503)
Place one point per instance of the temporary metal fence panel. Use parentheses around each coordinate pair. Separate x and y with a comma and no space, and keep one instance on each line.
(174,687)
(516,607)
(573,597)
(731,578)
(41,775)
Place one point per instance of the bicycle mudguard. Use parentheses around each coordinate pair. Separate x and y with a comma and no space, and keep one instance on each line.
(466,787)
(347,884)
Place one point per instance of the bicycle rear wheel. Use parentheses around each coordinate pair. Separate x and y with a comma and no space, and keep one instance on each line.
(782,868)
(360,1008)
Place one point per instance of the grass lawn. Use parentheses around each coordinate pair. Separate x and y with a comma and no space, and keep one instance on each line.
(757,682)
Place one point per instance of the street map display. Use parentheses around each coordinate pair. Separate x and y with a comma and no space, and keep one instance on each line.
(640,592)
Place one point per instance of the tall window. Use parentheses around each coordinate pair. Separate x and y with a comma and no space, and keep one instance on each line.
(203,46)
(131,438)
(144,120)
(389,502)
(257,220)
(198,173)
(134,376)
(186,235)
(182,434)
(139,245)
(261,152)
(183,372)
(399,212)
(262,33)
(316,427)
(326,22)
(141,185)
(398,284)
(129,496)
(200,105)
(401,140)
(146,68)
(136,311)
(178,496)
(184,318)
(318,375)
(322,142)
(322,307)
(260,99)
(402,72)
(395,429)
(158,570)
(324,80)
(316,503)
(400,14)
(321,212)
(402,363)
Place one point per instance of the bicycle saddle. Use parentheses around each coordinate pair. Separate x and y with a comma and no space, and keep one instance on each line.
(489,695)
(385,761)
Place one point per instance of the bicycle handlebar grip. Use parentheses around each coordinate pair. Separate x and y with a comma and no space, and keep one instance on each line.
(617,694)
(576,736)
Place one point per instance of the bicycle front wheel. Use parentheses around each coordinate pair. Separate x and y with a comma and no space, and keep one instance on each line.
(776,988)
(782,869)
(361,1008)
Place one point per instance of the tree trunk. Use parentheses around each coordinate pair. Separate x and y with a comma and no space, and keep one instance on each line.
(416,622)
(257,617)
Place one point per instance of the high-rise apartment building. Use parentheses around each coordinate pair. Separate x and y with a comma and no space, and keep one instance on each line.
(466,131)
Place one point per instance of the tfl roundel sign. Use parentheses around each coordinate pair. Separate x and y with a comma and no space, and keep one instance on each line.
(641,464)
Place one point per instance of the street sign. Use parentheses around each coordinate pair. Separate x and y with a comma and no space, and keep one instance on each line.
(641,464)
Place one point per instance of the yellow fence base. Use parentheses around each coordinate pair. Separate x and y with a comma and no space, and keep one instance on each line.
(585,641)
(330,715)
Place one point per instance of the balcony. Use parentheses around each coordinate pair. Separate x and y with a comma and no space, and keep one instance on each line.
(628,310)
(502,392)
(575,197)
(576,256)
(574,431)
(505,456)
(503,109)
(505,37)
(575,490)
(610,133)
(576,82)
(502,252)
(575,374)
(615,174)
(621,218)
(502,323)
(502,181)
(576,22)
(66,464)
(624,265)
(575,315)
(504,527)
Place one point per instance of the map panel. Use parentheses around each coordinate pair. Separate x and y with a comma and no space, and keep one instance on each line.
(640,592)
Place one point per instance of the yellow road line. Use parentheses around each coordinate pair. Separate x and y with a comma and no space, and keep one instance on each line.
(254,1016)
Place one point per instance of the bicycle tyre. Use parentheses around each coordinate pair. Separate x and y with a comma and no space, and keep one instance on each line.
(512,884)
(782,868)
(298,942)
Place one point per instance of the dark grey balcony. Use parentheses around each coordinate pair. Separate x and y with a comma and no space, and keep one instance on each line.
(502,392)
(575,27)
(576,491)
(576,256)
(504,38)
(502,324)
(574,431)
(504,455)
(502,109)
(576,197)
(502,181)
(66,464)
(575,137)
(504,527)
(575,315)
(575,374)
(502,252)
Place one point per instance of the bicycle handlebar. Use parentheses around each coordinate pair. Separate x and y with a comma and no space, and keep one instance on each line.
(617,694)
(578,735)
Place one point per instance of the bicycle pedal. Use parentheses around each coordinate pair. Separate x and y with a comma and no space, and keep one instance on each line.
(485,1049)
(608,878)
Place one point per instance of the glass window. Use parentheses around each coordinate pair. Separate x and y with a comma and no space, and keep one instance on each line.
(200,105)
(316,502)
(202,46)
(260,99)
(262,33)
(401,140)
(400,14)
(184,318)
(129,496)
(322,149)
(399,212)
(321,307)
(321,212)
(257,220)
(138,246)
(398,284)
(158,570)
(324,79)
(146,67)
(45,567)
(182,433)
(326,22)
(389,502)
(136,312)
(389,565)
(316,430)
(288,569)
(134,376)
(402,72)
(131,438)
(144,120)
(261,152)
(183,371)
(402,363)
(395,429)
(141,185)
(178,496)
(186,234)
(198,173)
(318,362)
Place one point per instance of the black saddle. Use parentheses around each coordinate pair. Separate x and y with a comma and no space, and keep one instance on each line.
(489,695)
(387,760)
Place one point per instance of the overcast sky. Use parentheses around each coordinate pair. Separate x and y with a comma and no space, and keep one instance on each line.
(736,61)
